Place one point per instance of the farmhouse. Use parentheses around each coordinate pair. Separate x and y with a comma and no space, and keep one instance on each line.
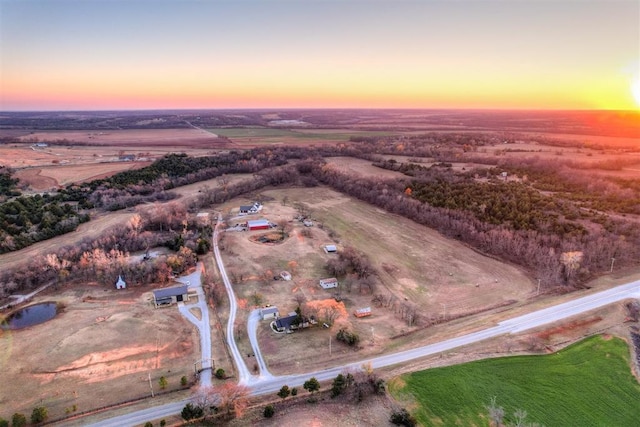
(289,323)
(168,296)
(250,209)
(269,313)
(362,312)
(121,284)
(330,249)
(258,224)
(329,283)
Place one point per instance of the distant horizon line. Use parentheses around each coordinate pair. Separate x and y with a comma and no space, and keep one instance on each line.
(113,110)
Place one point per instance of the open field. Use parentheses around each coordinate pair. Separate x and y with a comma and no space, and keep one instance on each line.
(196,138)
(99,351)
(443,278)
(257,136)
(588,383)
(49,177)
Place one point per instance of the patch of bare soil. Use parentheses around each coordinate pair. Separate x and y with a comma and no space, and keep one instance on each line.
(101,350)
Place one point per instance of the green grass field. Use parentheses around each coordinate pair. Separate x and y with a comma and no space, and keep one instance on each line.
(586,384)
(268,133)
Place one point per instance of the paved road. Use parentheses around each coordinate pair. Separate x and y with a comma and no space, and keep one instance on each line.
(203,325)
(244,376)
(263,385)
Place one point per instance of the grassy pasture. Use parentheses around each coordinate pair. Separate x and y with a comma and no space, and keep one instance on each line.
(267,134)
(586,384)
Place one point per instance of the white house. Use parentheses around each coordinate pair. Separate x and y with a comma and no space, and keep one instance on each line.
(251,209)
(121,284)
(329,283)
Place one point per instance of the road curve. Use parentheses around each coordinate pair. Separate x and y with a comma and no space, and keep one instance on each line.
(263,385)
(203,325)
(252,329)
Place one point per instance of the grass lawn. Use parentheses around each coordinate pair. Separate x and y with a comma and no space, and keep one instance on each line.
(586,384)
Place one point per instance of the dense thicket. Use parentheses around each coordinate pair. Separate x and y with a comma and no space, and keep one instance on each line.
(8,183)
(26,220)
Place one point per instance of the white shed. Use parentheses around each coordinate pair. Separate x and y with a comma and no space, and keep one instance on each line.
(121,284)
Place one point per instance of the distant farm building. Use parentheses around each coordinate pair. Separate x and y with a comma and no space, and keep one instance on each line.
(329,283)
(168,296)
(285,275)
(307,223)
(250,209)
(127,157)
(202,218)
(362,312)
(330,249)
(258,224)
(121,284)
(269,313)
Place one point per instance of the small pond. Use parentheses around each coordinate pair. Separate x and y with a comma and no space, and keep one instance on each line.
(31,315)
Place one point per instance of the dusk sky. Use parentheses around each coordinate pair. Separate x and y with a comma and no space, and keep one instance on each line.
(155,54)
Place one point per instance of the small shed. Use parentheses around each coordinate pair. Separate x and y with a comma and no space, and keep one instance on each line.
(269,312)
(331,249)
(329,283)
(258,224)
(362,312)
(121,284)
(168,296)
(285,275)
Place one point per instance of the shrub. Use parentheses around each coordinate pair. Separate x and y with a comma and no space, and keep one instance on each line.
(148,424)
(269,410)
(4,423)
(190,411)
(18,420)
(219,373)
(402,417)
(184,381)
(294,391)
(39,414)
(349,338)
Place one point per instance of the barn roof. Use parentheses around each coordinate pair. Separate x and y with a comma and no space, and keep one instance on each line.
(286,322)
(257,223)
(170,292)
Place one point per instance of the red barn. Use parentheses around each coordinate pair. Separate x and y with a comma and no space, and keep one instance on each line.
(258,224)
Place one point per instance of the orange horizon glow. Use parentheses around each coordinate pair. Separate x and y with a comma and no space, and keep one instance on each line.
(485,55)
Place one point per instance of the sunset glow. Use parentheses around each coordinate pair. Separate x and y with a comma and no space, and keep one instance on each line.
(72,54)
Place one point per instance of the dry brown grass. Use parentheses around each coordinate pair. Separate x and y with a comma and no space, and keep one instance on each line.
(99,351)
(414,264)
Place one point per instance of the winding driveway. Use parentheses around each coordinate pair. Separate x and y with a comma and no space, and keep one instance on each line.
(203,325)
(268,383)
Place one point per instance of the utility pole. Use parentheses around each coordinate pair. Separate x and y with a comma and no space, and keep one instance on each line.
(150,384)
(329,344)
(444,309)
(538,293)
(612,261)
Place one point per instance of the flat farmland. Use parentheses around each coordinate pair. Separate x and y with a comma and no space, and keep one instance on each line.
(257,136)
(53,176)
(100,350)
(196,138)
(443,278)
